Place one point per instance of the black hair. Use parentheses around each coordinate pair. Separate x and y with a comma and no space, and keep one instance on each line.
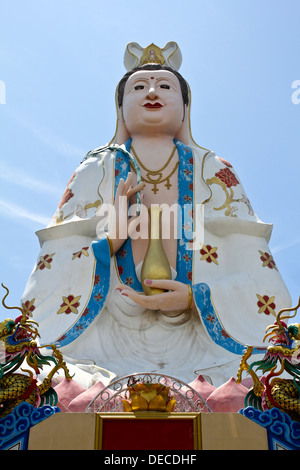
(183,84)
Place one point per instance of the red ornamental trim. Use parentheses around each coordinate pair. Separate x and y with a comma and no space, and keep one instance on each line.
(122,253)
(227,177)
(45,262)
(62,338)
(187,227)
(224,334)
(267,260)
(28,307)
(83,251)
(187,199)
(225,162)
(98,297)
(70,304)
(209,254)
(211,318)
(129,281)
(190,244)
(86,312)
(68,194)
(266,304)
(187,257)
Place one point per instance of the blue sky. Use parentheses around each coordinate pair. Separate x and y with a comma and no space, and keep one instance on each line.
(60,61)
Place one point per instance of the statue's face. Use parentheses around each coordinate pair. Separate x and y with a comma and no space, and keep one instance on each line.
(153,103)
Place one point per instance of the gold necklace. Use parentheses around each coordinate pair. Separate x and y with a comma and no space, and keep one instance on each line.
(155,177)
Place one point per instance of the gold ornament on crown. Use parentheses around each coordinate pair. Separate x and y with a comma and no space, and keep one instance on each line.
(136,55)
(152,55)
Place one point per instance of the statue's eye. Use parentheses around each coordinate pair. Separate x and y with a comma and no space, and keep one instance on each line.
(10,325)
(139,87)
(166,87)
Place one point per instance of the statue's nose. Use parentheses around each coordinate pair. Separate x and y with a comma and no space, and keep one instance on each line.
(152,92)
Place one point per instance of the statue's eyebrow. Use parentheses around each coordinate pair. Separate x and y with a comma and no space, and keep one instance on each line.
(146,79)
(167,79)
(131,85)
(141,79)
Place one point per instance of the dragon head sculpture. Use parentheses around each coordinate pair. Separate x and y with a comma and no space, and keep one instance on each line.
(284,347)
(18,334)
(19,345)
(284,350)
(18,342)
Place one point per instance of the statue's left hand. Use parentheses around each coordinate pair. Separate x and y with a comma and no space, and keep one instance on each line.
(176,297)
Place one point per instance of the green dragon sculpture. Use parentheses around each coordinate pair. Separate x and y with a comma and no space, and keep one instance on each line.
(284,352)
(18,348)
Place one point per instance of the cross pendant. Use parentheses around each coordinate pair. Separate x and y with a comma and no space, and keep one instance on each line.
(168,184)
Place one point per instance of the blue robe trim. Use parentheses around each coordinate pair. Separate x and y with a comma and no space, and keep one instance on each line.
(184,267)
(213,326)
(98,294)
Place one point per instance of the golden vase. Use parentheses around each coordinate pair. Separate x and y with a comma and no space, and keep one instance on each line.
(156,264)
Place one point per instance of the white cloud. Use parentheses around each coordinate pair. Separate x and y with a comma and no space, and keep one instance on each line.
(46,136)
(12,210)
(285,246)
(58,144)
(21,178)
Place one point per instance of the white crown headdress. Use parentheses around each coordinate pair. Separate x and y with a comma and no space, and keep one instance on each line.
(135,55)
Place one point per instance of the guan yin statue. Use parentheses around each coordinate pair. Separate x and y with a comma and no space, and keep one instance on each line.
(155,260)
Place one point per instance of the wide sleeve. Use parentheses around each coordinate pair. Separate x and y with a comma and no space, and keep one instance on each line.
(69,284)
(238,288)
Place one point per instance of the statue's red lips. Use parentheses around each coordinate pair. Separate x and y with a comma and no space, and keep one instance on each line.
(153,105)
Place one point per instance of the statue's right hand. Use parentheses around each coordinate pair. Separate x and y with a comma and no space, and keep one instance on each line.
(124,193)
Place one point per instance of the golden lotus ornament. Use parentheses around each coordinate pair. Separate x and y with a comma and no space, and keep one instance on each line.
(149,397)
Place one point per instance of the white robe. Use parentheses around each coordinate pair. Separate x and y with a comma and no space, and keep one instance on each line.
(72,292)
